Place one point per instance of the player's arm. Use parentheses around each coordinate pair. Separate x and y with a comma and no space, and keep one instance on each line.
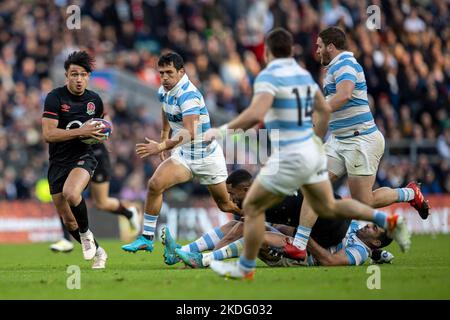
(50,119)
(165,131)
(321,115)
(52,133)
(185,135)
(326,258)
(254,114)
(344,92)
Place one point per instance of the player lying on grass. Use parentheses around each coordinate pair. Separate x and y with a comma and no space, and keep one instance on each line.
(225,240)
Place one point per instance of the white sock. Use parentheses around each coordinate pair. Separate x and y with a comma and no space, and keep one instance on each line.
(149,224)
(405,194)
(302,237)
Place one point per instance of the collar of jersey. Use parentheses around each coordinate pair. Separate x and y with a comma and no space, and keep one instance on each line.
(180,83)
(340,56)
(281,61)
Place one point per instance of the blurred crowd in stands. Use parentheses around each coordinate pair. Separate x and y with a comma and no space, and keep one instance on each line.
(406,63)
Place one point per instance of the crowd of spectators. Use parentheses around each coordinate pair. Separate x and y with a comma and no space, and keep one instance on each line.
(406,63)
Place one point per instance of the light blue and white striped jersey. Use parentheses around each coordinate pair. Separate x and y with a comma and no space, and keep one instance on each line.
(357,251)
(182,100)
(355,117)
(293,89)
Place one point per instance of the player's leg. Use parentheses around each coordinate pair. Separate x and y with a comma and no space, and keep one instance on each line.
(257,201)
(169,173)
(321,198)
(102,200)
(68,223)
(74,185)
(235,232)
(207,241)
(335,164)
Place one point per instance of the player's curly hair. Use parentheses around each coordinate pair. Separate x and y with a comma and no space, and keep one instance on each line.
(80,58)
(171,58)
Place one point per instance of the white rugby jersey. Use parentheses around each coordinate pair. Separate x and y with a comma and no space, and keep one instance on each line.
(354,118)
(182,100)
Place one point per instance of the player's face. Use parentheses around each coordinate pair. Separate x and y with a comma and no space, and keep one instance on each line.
(370,231)
(237,194)
(77,79)
(170,76)
(322,52)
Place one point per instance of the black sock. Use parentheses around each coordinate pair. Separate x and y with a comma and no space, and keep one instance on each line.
(123,211)
(81,215)
(66,232)
(76,235)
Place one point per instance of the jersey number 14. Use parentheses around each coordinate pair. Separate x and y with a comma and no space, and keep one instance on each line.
(304,114)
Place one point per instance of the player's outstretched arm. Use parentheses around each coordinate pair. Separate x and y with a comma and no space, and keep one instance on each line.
(326,258)
(250,117)
(52,133)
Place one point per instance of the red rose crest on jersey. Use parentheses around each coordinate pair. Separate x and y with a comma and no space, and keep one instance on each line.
(90,108)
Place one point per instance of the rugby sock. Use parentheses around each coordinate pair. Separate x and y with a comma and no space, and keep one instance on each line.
(149,226)
(231,250)
(206,242)
(405,194)
(123,211)
(246,265)
(380,219)
(83,233)
(66,233)
(302,237)
(76,235)
(81,215)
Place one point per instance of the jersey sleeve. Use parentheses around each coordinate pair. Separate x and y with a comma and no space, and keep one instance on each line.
(356,254)
(51,106)
(265,83)
(348,71)
(190,103)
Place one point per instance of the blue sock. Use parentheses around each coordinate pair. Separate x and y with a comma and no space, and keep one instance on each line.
(246,265)
(380,219)
(405,194)
(149,226)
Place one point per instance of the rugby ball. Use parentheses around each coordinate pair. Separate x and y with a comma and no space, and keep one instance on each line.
(106,130)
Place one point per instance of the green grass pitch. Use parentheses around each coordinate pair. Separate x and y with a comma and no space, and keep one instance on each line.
(32,271)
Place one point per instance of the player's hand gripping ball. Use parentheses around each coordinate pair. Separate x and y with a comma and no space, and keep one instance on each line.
(106,130)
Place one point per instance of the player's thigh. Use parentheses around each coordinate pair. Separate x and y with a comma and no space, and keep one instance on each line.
(76,182)
(320,197)
(63,209)
(259,199)
(335,161)
(100,191)
(361,188)
(363,154)
(169,173)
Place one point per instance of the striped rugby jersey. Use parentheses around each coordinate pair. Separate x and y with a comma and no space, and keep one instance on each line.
(355,115)
(293,88)
(182,100)
(357,251)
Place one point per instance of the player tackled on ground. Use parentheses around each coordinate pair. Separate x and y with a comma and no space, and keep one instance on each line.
(284,96)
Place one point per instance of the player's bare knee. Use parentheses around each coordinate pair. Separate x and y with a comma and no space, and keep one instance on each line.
(71,196)
(154,186)
(324,209)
